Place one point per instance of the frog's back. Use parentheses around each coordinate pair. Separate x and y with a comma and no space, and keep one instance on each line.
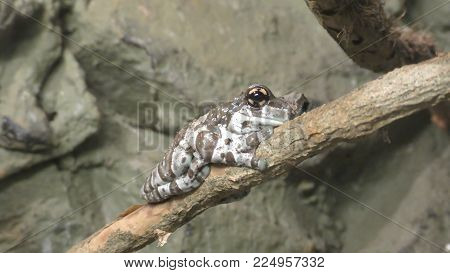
(220,114)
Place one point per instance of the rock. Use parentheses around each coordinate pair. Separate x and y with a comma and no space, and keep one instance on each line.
(171,53)
(390,185)
(192,55)
(40,200)
(9,17)
(424,210)
(35,198)
(24,125)
(138,60)
(74,116)
(436,22)
(67,99)
(265,221)
(394,8)
(306,188)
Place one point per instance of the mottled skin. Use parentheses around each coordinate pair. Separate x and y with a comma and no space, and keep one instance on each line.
(228,134)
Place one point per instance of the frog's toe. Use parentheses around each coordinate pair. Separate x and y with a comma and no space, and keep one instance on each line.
(258,163)
(204,173)
(262,164)
(153,197)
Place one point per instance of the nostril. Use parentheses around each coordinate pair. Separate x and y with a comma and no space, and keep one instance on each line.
(305,106)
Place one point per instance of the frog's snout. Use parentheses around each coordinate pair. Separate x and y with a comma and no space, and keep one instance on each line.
(304,104)
(298,103)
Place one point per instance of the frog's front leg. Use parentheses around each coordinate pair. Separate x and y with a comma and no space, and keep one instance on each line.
(249,142)
(224,147)
(236,158)
(239,149)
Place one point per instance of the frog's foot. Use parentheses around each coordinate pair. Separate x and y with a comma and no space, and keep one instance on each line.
(238,159)
(178,186)
(261,164)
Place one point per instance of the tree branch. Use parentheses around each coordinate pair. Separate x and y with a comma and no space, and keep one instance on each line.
(360,113)
(368,37)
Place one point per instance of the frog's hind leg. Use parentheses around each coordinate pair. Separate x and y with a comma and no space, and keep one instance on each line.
(197,173)
(174,164)
(187,184)
(178,186)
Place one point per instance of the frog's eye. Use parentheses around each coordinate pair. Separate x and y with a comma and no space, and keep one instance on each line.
(257,95)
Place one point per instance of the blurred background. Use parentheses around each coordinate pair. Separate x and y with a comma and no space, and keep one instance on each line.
(76,113)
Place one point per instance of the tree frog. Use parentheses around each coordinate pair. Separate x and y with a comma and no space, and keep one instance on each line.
(228,134)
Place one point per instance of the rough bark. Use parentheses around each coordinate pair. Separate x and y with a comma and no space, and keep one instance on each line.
(358,114)
(372,41)
(364,32)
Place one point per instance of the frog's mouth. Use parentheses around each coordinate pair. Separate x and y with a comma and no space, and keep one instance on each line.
(268,116)
(263,121)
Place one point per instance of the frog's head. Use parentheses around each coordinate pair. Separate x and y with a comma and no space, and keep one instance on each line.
(261,108)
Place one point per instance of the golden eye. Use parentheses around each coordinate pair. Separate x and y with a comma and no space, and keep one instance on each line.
(257,95)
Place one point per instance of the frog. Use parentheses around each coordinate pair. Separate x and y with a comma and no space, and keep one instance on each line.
(227,134)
